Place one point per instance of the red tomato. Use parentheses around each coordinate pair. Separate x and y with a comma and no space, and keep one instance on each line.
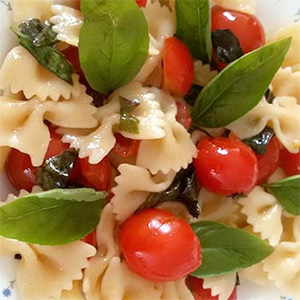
(125,146)
(96,176)
(141,3)
(268,162)
(159,246)
(200,293)
(290,162)
(20,171)
(225,166)
(178,67)
(183,115)
(91,239)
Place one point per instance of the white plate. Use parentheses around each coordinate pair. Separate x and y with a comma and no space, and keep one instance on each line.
(273,14)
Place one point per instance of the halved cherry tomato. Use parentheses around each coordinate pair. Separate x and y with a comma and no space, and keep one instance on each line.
(96,176)
(125,147)
(268,162)
(141,3)
(178,67)
(159,246)
(226,166)
(91,239)
(290,162)
(200,293)
(183,115)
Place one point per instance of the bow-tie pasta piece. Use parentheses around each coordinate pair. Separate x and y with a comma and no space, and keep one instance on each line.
(203,75)
(244,6)
(22,122)
(21,72)
(282,115)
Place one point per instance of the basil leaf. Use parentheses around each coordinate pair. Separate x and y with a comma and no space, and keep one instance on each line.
(226,249)
(226,45)
(183,189)
(194,27)
(239,87)
(127,122)
(259,143)
(55,171)
(193,93)
(55,217)
(113,42)
(287,192)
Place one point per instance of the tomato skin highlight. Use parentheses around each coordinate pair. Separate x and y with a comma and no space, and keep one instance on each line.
(226,166)
(268,162)
(183,115)
(200,293)
(178,67)
(159,246)
(290,162)
(126,147)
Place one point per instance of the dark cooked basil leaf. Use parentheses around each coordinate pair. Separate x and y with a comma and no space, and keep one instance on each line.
(113,42)
(287,192)
(128,122)
(269,96)
(194,27)
(55,171)
(227,249)
(183,189)
(239,87)
(193,93)
(226,45)
(259,143)
(55,217)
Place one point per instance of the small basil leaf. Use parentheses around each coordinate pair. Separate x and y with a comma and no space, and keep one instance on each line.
(194,27)
(239,87)
(193,93)
(55,171)
(113,42)
(287,192)
(127,122)
(226,45)
(259,143)
(183,189)
(269,96)
(55,217)
(226,249)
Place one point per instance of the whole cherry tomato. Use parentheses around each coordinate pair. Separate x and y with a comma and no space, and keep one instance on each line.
(91,239)
(96,176)
(226,166)
(183,115)
(159,246)
(178,67)
(125,147)
(290,162)
(200,293)
(268,162)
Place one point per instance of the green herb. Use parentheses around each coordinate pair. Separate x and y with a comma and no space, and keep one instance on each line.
(259,143)
(194,27)
(113,43)
(239,87)
(56,170)
(55,217)
(183,189)
(287,192)
(128,122)
(226,45)
(39,40)
(226,249)
(193,93)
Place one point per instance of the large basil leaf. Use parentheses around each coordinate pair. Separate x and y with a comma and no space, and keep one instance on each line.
(55,217)
(239,87)
(194,27)
(226,249)
(287,192)
(113,42)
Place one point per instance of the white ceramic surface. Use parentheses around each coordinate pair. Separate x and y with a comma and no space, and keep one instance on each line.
(273,14)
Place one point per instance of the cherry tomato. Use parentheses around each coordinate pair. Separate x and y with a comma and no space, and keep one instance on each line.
(141,3)
(20,171)
(96,176)
(268,162)
(159,246)
(239,23)
(200,293)
(178,67)
(183,115)
(91,239)
(290,162)
(126,147)
(226,166)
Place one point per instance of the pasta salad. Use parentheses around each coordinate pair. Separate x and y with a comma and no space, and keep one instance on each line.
(154,150)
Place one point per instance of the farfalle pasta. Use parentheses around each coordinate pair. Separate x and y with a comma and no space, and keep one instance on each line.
(245,6)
